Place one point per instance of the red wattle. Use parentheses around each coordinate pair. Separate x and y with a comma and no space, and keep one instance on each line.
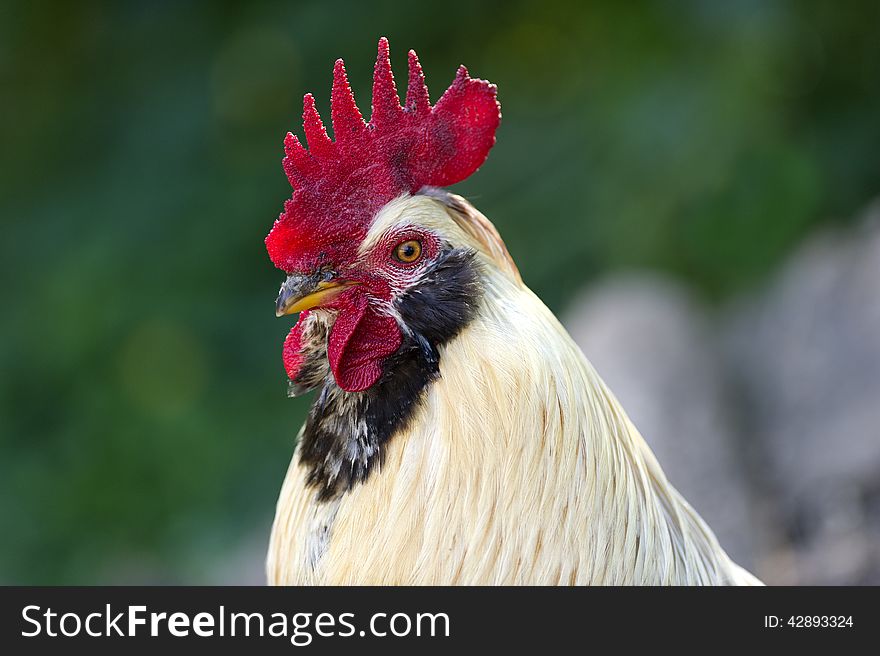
(293,352)
(361,338)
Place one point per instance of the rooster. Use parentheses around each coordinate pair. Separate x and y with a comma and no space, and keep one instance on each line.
(458,435)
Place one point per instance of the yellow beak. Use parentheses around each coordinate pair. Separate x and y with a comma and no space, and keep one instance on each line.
(291,299)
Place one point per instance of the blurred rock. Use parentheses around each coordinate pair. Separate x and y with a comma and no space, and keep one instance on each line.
(807,352)
(649,340)
(765,415)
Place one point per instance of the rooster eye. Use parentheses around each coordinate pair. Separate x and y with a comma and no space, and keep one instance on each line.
(408,252)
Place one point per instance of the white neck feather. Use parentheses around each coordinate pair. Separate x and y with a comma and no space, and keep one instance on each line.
(520,467)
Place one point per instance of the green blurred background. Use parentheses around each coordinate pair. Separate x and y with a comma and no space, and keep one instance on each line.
(145,426)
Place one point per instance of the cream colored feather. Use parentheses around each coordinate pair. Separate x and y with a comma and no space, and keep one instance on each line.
(519,468)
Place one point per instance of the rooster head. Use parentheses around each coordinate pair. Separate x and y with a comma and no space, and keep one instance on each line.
(357,237)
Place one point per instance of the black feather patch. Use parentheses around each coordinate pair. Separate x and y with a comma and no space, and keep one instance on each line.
(345,432)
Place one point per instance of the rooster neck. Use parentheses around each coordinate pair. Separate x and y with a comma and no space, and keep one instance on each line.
(345,433)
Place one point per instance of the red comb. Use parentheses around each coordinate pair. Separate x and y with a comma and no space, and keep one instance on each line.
(340,185)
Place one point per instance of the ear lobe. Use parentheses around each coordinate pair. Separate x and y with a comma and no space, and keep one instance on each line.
(361,338)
